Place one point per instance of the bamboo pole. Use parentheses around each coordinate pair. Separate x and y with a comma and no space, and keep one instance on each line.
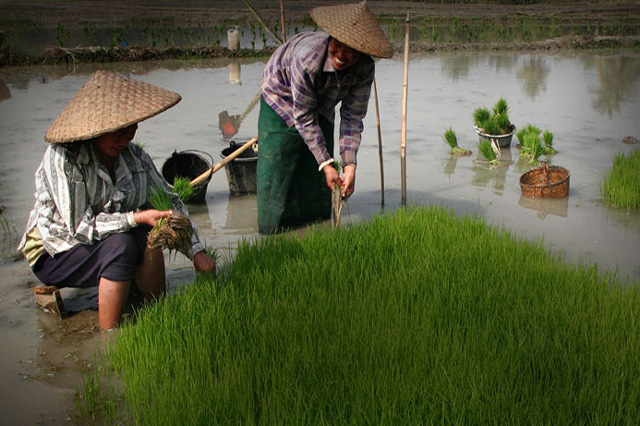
(403,124)
(204,175)
(375,94)
(284,27)
(264,25)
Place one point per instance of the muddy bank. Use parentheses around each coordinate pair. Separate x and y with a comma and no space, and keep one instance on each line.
(72,32)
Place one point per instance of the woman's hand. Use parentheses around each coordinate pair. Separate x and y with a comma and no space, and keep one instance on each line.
(150,217)
(348,180)
(332,176)
(203,263)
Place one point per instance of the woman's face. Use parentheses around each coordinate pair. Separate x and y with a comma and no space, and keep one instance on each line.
(112,144)
(342,56)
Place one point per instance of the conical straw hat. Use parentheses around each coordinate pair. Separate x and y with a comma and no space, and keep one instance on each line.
(355,26)
(106,103)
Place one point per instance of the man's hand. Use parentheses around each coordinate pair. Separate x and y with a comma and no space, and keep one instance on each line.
(332,176)
(348,180)
(203,263)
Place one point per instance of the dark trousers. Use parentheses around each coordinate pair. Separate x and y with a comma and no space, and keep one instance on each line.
(291,191)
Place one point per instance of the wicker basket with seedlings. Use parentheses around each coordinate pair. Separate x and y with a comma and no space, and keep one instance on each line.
(175,231)
(452,140)
(534,143)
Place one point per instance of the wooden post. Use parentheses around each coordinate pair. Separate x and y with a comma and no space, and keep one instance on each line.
(403,124)
(284,27)
(375,94)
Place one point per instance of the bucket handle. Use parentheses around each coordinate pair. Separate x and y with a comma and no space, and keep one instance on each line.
(197,151)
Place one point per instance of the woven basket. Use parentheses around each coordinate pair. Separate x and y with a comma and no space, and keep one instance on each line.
(545,182)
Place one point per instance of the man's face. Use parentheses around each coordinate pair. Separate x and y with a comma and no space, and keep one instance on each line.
(342,56)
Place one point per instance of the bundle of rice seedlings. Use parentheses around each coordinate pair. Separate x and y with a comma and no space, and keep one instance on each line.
(487,149)
(495,122)
(337,200)
(532,145)
(173,232)
(182,186)
(451,139)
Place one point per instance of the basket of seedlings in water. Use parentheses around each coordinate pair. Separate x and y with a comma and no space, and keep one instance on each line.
(175,231)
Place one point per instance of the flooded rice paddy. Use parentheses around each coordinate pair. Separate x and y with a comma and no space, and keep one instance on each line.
(589,100)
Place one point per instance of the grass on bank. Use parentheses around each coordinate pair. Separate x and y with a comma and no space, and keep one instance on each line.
(621,183)
(416,317)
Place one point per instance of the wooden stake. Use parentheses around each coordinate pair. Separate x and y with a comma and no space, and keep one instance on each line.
(375,94)
(264,25)
(284,27)
(403,124)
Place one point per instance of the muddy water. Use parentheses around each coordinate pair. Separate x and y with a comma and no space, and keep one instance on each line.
(589,101)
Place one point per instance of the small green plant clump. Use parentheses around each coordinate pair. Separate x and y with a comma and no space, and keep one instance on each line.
(621,186)
(494,122)
(452,140)
(532,145)
(182,186)
(487,149)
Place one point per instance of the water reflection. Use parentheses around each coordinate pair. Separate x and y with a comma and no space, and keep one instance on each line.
(545,206)
(230,124)
(458,66)
(533,74)
(5,93)
(484,173)
(617,77)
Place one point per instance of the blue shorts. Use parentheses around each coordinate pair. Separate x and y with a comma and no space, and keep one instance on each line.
(115,258)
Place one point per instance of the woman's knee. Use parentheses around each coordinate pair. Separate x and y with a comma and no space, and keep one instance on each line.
(123,247)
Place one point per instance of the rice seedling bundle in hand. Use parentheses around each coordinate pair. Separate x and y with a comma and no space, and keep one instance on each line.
(173,232)
(337,200)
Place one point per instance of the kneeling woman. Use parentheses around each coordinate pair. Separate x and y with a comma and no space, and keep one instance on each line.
(92,214)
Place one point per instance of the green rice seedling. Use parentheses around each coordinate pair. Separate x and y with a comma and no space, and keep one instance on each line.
(182,186)
(414,324)
(494,122)
(480,115)
(452,140)
(160,199)
(486,149)
(532,146)
(621,185)
(547,138)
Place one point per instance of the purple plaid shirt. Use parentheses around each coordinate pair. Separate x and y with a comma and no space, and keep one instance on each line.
(299,82)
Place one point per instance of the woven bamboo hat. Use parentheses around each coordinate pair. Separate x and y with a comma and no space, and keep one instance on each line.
(106,103)
(355,26)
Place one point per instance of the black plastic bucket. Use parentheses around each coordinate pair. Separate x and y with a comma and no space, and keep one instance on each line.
(241,171)
(189,164)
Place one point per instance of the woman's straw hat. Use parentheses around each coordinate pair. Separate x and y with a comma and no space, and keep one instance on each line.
(355,26)
(106,103)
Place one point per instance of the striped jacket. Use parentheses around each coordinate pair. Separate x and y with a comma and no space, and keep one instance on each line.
(299,82)
(77,202)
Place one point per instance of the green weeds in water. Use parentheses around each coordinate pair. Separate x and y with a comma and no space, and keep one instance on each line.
(411,318)
(621,183)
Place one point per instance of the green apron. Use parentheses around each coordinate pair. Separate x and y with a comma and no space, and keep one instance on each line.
(291,190)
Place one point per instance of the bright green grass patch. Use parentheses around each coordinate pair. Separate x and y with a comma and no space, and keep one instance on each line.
(416,317)
(621,185)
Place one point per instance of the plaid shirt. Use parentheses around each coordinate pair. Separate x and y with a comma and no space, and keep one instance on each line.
(77,202)
(300,82)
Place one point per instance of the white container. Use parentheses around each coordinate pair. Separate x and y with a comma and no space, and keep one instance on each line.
(233,38)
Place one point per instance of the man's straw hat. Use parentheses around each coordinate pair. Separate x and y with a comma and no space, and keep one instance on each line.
(355,26)
(106,103)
